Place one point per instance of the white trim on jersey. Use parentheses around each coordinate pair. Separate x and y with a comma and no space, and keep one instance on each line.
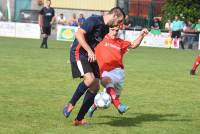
(80,67)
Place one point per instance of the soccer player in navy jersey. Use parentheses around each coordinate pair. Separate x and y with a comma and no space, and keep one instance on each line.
(46,19)
(83,60)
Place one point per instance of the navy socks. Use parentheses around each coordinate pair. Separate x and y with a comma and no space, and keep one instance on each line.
(87,103)
(78,93)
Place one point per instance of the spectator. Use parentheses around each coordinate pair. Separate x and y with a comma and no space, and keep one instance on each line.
(81,19)
(168,25)
(73,20)
(127,23)
(197,26)
(156,24)
(61,19)
(126,26)
(189,34)
(155,27)
(176,27)
(1,15)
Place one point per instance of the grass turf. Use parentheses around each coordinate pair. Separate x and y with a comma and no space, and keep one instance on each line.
(36,83)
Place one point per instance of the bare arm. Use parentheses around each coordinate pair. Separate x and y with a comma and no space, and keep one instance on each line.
(53,20)
(40,20)
(139,39)
(80,36)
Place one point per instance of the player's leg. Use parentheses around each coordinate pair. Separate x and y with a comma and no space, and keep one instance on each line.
(109,81)
(44,42)
(91,92)
(48,33)
(91,110)
(88,100)
(78,70)
(195,65)
(43,34)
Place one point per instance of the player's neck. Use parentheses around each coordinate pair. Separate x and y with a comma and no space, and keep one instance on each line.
(106,18)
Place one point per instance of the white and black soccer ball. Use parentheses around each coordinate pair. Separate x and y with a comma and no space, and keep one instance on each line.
(102,100)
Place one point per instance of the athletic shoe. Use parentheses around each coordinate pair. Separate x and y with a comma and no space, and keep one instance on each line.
(67,110)
(82,122)
(91,111)
(122,108)
(192,72)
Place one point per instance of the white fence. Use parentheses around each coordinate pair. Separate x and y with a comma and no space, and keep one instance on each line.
(66,33)
(19,30)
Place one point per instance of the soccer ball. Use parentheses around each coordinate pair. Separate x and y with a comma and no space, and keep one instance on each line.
(102,100)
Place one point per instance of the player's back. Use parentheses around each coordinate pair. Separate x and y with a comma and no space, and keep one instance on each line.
(95,31)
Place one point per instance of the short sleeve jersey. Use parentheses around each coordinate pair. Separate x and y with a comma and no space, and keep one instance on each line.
(95,31)
(48,14)
(109,53)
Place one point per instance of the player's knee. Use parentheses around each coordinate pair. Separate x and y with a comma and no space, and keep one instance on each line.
(105,81)
(94,88)
(89,79)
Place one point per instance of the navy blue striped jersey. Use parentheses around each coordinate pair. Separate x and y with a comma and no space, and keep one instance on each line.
(48,14)
(95,31)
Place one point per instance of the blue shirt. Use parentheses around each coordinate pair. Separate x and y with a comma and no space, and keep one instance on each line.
(48,14)
(177,25)
(81,21)
(95,31)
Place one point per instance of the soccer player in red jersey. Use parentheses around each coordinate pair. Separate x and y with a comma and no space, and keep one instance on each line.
(109,54)
(195,65)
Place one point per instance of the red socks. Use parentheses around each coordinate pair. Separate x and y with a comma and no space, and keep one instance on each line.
(196,63)
(112,93)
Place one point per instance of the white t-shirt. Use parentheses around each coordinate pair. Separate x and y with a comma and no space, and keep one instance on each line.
(61,20)
(1,15)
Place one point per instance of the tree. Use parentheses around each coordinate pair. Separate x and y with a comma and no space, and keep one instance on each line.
(185,9)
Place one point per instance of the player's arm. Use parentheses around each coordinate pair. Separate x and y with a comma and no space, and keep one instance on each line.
(53,18)
(40,20)
(139,39)
(80,36)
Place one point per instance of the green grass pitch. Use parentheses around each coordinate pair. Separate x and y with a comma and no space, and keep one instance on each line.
(35,84)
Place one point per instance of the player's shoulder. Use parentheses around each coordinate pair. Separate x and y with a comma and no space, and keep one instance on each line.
(51,8)
(95,18)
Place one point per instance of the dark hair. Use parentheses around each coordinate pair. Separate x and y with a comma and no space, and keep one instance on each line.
(117,11)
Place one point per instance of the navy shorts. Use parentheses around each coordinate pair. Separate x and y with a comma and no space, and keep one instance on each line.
(82,67)
(176,34)
(46,30)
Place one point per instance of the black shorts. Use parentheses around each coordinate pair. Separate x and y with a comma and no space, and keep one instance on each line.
(82,67)
(46,30)
(176,34)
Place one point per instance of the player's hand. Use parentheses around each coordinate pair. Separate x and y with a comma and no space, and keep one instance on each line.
(144,31)
(91,56)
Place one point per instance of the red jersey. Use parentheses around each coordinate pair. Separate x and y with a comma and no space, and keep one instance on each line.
(109,53)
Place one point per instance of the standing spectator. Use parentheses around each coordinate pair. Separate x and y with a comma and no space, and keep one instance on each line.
(189,33)
(46,19)
(81,19)
(127,23)
(73,20)
(83,60)
(61,19)
(1,15)
(197,26)
(126,26)
(177,27)
(156,24)
(168,25)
